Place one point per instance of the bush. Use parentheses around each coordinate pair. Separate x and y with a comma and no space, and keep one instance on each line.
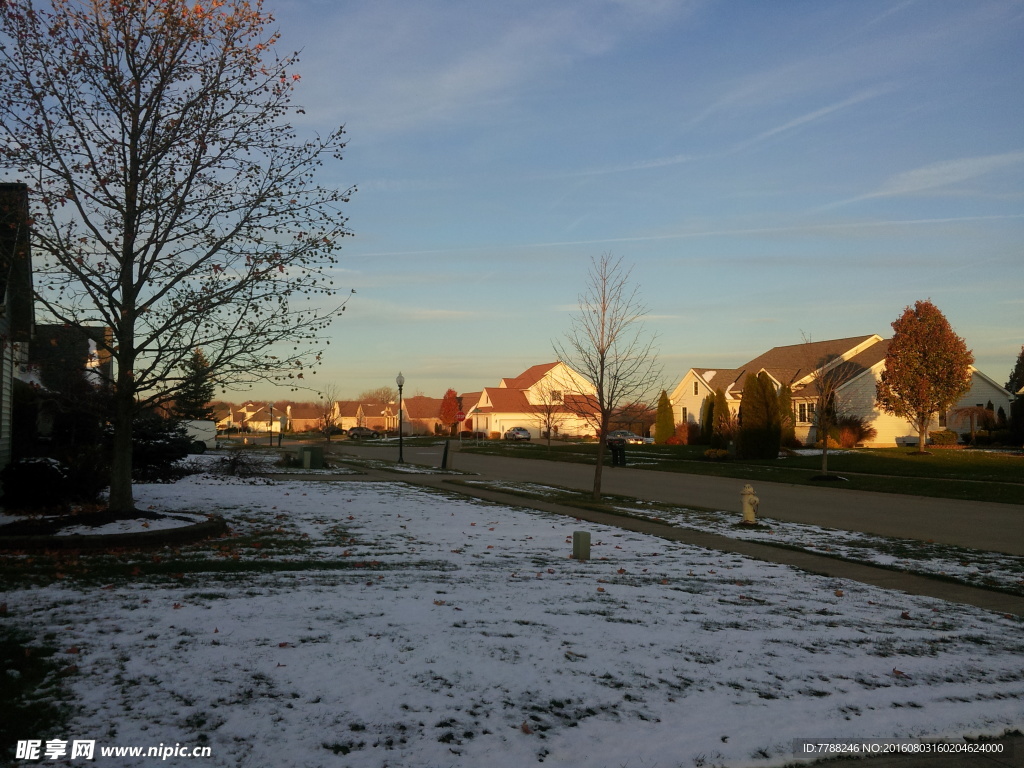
(716,454)
(943,437)
(994,437)
(35,483)
(243,463)
(157,445)
(681,435)
(853,430)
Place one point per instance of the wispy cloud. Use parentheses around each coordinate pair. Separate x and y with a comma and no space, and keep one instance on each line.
(938,176)
(945,174)
(638,165)
(813,116)
(405,66)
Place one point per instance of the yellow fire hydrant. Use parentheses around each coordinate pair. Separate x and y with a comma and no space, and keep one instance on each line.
(749,504)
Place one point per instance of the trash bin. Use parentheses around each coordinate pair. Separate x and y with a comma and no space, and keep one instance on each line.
(312,457)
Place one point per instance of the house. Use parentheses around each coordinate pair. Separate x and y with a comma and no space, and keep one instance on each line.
(422,415)
(855,364)
(304,417)
(374,415)
(16,311)
(546,397)
(68,358)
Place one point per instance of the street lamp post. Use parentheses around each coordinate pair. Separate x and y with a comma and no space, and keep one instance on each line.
(400,381)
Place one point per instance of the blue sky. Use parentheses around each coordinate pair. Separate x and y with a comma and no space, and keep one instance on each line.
(771,171)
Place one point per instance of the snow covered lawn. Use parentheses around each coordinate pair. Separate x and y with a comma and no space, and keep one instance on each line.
(377,624)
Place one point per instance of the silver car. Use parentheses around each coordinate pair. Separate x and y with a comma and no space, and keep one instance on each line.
(518,433)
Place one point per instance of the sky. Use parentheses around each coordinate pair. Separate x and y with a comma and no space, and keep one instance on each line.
(770,172)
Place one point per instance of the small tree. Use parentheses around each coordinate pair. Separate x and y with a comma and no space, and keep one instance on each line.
(927,368)
(707,413)
(665,425)
(449,410)
(787,418)
(760,432)
(723,425)
(1016,380)
(608,346)
(549,408)
(197,389)
(327,410)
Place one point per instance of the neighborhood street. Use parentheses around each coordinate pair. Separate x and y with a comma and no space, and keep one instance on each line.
(974,524)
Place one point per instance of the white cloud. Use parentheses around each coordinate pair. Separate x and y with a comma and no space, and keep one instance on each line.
(945,174)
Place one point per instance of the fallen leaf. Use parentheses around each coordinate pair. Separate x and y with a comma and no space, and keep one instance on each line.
(839,593)
(525,728)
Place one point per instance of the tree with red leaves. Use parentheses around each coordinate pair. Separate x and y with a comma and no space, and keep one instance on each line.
(927,368)
(449,409)
(172,201)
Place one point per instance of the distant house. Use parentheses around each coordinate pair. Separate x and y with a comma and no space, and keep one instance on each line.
(65,357)
(547,395)
(421,415)
(304,417)
(859,362)
(373,415)
(16,310)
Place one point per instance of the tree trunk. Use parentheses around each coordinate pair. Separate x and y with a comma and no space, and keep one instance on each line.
(922,432)
(121,498)
(600,466)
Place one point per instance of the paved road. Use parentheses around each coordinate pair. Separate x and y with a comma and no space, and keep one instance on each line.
(975,524)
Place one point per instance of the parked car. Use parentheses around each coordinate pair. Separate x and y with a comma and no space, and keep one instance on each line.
(362,433)
(626,436)
(518,433)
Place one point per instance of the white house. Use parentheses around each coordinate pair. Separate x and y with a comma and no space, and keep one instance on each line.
(550,395)
(859,362)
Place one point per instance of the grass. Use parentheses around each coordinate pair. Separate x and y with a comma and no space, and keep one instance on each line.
(969,475)
(33,680)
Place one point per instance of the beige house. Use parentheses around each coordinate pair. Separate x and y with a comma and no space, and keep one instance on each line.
(304,417)
(856,362)
(544,397)
(421,415)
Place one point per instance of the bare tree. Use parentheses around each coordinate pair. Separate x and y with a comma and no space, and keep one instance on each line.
(326,409)
(171,201)
(608,345)
(550,411)
(379,395)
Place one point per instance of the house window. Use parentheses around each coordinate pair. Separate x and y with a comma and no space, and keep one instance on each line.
(556,396)
(684,415)
(805,413)
(695,385)
(942,419)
